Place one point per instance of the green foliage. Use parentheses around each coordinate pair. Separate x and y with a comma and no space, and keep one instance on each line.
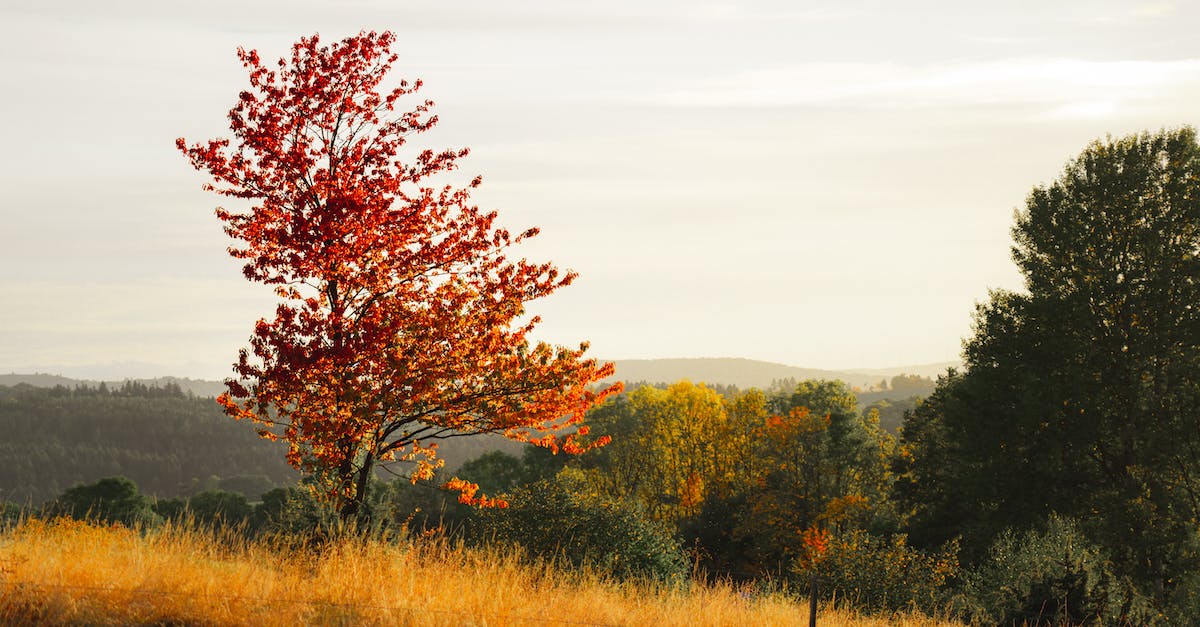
(820,397)
(946,481)
(211,508)
(496,472)
(112,500)
(418,508)
(252,486)
(10,514)
(293,512)
(1080,396)
(876,574)
(539,463)
(891,412)
(912,384)
(171,509)
(562,520)
(725,537)
(218,507)
(1052,575)
(818,456)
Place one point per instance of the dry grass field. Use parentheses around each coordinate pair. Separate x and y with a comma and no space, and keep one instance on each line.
(68,572)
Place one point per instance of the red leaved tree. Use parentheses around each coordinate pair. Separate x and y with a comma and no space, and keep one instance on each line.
(400,321)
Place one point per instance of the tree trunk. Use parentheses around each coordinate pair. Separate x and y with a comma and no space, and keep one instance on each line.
(351,510)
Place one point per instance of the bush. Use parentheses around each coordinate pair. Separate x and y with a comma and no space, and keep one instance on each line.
(292,511)
(560,519)
(10,514)
(170,509)
(111,500)
(722,543)
(422,508)
(496,472)
(1052,575)
(873,573)
(218,507)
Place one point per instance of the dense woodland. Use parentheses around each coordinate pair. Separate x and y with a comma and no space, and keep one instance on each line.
(173,444)
(170,443)
(166,441)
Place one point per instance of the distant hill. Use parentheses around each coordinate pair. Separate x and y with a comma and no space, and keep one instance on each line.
(176,445)
(168,443)
(932,371)
(747,373)
(743,373)
(195,387)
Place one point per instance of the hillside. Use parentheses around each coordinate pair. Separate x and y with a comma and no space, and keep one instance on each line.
(168,443)
(61,431)
(195,387)
(744,373)
(747,373)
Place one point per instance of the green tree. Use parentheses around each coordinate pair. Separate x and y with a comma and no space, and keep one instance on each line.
(112,499)
(855,445)
(219,507)
(495,472)
(1080,395)
(912,384)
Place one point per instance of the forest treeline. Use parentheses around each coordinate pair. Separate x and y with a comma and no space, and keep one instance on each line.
(714,476)
(173,444)
(170,443)
(756,486)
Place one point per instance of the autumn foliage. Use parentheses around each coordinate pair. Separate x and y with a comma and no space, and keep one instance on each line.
(402,316)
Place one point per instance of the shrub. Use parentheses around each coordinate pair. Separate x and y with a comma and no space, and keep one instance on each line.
(170,509)
(111,500)
(218,507)
(873,573)
(561,519)
(291,511)
(496,472)
(722,542)
(1052,575)
(10,514)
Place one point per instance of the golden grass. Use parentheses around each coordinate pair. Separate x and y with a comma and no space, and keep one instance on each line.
(68,572)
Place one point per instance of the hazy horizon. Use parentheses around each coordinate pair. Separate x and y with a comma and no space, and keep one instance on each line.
(120,371)
(827,187)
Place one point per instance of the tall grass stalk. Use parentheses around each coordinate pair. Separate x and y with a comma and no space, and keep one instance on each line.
(70,572)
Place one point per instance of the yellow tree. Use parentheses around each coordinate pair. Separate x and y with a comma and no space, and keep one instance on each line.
(668,448)
(678,427)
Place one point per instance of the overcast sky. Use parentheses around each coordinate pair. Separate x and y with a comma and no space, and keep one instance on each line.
(825,185)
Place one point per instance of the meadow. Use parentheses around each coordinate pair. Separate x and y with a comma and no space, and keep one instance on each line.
(65,571)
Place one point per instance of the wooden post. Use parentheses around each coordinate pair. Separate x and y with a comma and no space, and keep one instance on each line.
(812,600)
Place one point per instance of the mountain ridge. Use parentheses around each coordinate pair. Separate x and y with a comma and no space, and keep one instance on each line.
(738,371)
(747,373)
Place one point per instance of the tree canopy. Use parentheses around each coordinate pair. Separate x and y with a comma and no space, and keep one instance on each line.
(402,317)
(1080,395)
